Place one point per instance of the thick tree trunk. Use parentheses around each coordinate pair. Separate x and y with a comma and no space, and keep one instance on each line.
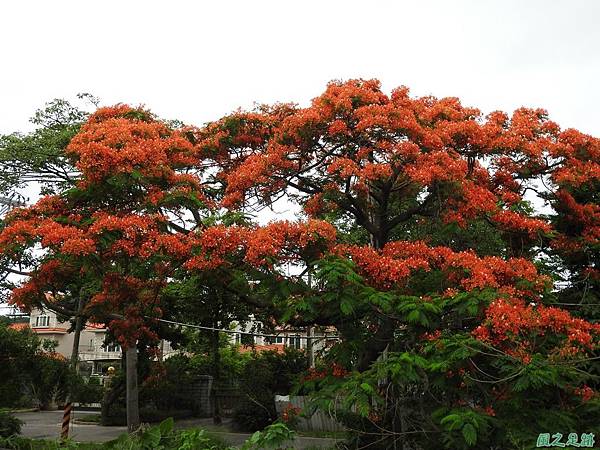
(79,323)
(74,362)
(132,399)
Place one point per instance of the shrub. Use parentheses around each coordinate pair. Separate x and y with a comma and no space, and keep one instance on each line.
(49,379)
(165,437)
(162,436)
(255,411)
(168,389)
(89,391)
(9,424)
(274,436)
(265,375)
(232,364)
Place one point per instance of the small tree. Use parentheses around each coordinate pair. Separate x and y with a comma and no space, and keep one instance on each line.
(114,231)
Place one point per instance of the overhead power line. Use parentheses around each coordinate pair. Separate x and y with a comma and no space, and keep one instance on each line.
(248,333)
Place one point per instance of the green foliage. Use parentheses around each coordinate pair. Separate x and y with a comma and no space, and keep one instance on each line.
(455,368)
(274,436)
(231,360)
(9,424)
(51,379)
(464,427)
(40,155)
(20,348)
(266,374)
(160,437)
(42,376)
(169,391)
(87,391)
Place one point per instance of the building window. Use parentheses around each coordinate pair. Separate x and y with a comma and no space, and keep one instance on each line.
(294,342)
(91,346)
(247,339)
(42,321)
(274,340)
(113,347)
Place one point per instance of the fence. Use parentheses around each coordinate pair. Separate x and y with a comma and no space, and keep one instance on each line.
(228,398)
(199,392)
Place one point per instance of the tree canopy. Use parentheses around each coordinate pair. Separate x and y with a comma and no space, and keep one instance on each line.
(455,253)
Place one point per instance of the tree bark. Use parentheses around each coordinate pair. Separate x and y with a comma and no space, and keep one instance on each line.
(132,394)
(310,349)
(74,363)
(79,323)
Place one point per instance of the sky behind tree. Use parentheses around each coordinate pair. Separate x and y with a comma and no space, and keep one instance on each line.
(197,61)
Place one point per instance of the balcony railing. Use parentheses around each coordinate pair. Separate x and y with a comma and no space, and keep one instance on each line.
(88,352)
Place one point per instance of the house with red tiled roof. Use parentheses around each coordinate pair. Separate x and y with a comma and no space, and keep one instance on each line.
(296,338)
(95,353)
(19,326)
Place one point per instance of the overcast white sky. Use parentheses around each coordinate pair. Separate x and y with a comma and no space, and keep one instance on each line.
(197,61)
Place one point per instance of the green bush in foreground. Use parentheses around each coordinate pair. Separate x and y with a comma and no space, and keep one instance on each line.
(9,424)
(160,437)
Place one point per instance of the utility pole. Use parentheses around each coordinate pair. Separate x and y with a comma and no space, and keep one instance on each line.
(310,349)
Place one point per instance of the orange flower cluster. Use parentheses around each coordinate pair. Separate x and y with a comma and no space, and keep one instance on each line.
(132,298)
(138,234)
(260,246)
(433,336)
(354,139)
(582,218)
(515,222)
(124,140)
(397,261)
(290,413)
(581,154)
(511,323)
(586,393)
(335,370)
(131,165)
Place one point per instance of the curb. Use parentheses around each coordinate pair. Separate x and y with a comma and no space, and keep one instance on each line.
(84,422)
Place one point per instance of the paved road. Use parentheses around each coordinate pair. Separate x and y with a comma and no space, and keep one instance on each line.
(46,425)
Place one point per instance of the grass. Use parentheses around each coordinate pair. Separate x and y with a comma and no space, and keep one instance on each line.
(19,410)
(324,434)
(87,418)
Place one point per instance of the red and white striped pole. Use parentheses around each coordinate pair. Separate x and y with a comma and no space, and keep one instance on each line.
(64,434)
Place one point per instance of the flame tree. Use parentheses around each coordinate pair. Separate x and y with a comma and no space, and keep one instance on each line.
(108,240)
(141,215)
(467,316)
